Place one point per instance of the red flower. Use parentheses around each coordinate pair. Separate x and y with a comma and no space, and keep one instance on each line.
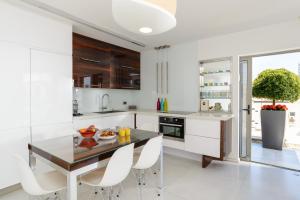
(272,107)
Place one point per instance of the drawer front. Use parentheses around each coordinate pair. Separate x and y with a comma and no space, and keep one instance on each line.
(202,145)
(203,128)
(147,122)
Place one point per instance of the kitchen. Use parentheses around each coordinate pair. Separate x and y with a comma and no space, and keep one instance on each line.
(68,76)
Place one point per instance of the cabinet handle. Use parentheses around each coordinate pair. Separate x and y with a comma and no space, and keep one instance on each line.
(127,67)
(90,60)
(127,87)
(161,78)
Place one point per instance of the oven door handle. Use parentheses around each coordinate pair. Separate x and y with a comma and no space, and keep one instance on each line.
(176,125)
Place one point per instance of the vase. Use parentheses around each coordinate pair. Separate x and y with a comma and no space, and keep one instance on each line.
(273,124)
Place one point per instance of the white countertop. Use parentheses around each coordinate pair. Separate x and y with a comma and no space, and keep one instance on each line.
(211,116)
(196,115)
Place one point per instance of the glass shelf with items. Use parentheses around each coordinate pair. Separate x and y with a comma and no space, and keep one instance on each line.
(215,94)
(215,73)
(215,85)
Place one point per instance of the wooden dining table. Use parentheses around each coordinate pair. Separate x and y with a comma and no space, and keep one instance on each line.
(74,156)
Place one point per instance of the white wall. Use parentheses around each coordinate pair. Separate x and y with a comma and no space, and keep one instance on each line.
(27,28)
(90,99)
(272,38)
(183,79)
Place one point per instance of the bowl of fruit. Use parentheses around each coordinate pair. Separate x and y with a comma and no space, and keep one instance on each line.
(88,132)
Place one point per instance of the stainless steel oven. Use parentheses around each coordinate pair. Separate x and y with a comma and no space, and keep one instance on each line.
(172,127)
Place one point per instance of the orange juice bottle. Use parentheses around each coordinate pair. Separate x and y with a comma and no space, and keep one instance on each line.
(122,132)
(127,131)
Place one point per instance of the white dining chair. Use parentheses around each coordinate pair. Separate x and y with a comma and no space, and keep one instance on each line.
(147,159)
(105,179)
(42,186)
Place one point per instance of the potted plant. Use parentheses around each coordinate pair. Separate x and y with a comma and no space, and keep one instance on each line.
(276,85)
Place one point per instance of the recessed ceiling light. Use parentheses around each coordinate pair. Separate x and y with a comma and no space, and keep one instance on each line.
(145,30)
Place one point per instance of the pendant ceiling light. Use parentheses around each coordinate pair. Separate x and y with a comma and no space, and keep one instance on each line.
(148,17)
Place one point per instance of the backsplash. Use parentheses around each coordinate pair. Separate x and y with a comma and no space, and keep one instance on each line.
(89,99)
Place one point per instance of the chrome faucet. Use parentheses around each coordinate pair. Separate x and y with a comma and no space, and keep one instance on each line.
(108,98)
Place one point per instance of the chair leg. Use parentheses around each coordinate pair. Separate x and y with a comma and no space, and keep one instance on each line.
(93,194)
(119,191)
(138,175)
(144,177)
(110,193)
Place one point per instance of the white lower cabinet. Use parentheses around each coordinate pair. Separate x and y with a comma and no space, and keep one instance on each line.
(104,122)
(147,122)
(202,145)
(203,137)
(204,128)
(12,142)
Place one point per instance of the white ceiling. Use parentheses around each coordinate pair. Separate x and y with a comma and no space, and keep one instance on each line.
(196,19)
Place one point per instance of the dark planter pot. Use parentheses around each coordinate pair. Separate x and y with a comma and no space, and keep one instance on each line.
(273,128)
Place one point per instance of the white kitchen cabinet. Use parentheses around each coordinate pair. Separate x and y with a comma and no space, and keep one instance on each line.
(203,145)
(147,122)
(203,137)
(204,128)
(51,88)
(13,141)
(210,138)
(104,122)
(15,86)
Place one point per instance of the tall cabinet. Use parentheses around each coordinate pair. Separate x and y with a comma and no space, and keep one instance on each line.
(51,93)
(35,81)
(14,106)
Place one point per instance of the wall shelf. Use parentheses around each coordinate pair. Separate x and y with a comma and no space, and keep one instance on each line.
(214,73)
(213,90)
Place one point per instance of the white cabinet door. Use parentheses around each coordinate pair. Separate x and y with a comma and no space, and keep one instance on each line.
(202,145)
(14,86)
(204,128)
(12,142)
(147,122)
(51,88)
(104,122)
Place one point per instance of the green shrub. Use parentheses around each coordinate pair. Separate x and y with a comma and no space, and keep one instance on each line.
(277,84)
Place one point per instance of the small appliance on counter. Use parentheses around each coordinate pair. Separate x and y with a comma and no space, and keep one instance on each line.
(75,108)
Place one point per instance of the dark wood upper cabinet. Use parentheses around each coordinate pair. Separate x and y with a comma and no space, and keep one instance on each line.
(97,64)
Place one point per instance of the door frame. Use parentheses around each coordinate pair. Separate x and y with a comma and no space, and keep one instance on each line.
(245,156)
(249,58)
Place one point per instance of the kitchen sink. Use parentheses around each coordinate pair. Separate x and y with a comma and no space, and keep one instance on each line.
(109,111)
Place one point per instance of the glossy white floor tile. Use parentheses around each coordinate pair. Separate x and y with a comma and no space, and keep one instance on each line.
(186,180)
(288,158)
